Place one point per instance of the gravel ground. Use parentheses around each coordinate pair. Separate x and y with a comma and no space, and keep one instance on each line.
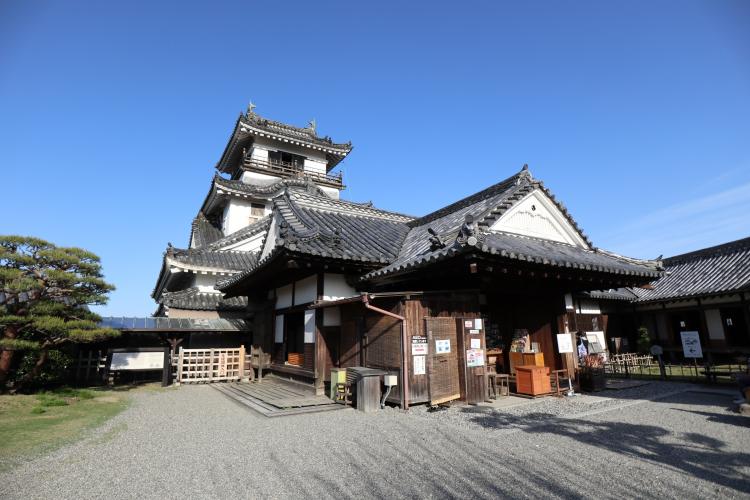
(194,442)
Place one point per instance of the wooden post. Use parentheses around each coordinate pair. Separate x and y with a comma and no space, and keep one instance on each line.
(260,363)
(210,365)
(167,369)
(242,364)
(80,364)
(179,368)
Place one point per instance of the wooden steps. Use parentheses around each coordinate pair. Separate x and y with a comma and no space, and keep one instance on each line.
(274,398)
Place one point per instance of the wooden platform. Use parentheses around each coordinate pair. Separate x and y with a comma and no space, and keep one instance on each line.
(276,398)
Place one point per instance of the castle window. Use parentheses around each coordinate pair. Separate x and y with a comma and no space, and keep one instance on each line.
(284,158)
(257,211)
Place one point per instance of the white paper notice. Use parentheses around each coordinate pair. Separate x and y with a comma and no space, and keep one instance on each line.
(478,323)
(443,346)
(691,344)
(419,365)
(564,343)
(476,344)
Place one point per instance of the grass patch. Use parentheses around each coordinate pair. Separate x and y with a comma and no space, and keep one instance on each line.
(34,424)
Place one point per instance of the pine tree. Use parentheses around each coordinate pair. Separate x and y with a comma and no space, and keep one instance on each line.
(45,292)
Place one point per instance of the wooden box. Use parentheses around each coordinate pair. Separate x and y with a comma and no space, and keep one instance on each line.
(525,359)
(296,358)
(532,380)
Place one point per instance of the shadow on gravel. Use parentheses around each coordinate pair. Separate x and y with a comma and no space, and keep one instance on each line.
(699,455)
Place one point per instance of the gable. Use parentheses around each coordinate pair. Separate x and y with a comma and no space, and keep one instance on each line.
(537,216)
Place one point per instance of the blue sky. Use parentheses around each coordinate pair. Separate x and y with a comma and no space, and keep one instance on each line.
(635,114)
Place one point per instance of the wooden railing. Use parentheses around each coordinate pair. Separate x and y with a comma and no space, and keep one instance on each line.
(292,170)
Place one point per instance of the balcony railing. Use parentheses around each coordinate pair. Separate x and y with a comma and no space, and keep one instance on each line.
(293,170)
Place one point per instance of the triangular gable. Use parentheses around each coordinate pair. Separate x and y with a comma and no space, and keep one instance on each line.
(537,216)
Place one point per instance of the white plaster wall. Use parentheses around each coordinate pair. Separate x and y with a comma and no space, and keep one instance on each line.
(258,179)
(284,296)
(332,316)
(306,290)
(317,166)
(270,241)
(335,287)
(538,216)
(715,326)
(332,192)
(236,215)
(251,244)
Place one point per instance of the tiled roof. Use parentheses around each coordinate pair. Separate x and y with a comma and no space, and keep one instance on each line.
(625,294)
(141,324)
(337,229)
(715,270)
(251,124)
(244,233)
(194,299)
(201,258)
(530,250)
(204,231)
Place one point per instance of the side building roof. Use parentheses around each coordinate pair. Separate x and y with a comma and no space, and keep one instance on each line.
(716,270)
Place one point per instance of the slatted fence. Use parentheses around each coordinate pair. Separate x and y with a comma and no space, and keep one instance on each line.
(210,365)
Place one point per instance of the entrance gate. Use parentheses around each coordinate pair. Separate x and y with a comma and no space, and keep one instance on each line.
(210,365)
(442,363)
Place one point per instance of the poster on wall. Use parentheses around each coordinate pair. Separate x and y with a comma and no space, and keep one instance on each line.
(418,346)
(474,357)
(443,346)
(419,365)
(564,343)
(476,343)
(691,344)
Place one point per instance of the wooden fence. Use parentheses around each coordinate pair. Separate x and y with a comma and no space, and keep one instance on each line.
(218,365)
(90,366)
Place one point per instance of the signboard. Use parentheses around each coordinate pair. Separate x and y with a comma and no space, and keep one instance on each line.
(478,323)
(564,343)
(443,346)
(691,344)
(476,343)
(474,357)
(418,346)
(468,323)
(473,331)
(420,366)
(137,360)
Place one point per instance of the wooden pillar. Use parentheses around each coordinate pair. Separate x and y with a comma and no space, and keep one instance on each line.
(167,368)
(241,377)
(179,367)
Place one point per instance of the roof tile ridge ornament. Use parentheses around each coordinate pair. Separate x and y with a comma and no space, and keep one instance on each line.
(524,174)
(436,243)
(469,234)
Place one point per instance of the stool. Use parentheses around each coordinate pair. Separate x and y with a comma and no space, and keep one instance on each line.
(502,384)
(343,393)
(489,376)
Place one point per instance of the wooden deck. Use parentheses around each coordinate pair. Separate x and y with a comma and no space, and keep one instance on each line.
(276,398)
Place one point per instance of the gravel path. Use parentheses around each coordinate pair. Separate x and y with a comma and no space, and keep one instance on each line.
(194,442)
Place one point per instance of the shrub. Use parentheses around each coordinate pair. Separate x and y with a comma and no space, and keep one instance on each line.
(54,372)
(644,340)
(38,410)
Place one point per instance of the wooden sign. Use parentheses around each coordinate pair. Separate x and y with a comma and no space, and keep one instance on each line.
(137,361)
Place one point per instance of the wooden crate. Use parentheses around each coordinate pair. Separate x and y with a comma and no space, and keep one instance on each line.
(532,380)
(296,358)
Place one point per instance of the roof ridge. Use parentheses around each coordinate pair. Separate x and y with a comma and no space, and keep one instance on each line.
(249,230)
(721,249)
(494,189)
(363,208)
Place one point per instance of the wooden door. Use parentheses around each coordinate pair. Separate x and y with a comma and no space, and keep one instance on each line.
(442,362)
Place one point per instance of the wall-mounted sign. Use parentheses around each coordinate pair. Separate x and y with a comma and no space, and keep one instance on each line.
(476,343)
(419,365)
(691,344)
(137,361)
(478,323)
(474,331)
(469,323)
(443,346)
(564,343)
(418,346)
(474,357)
